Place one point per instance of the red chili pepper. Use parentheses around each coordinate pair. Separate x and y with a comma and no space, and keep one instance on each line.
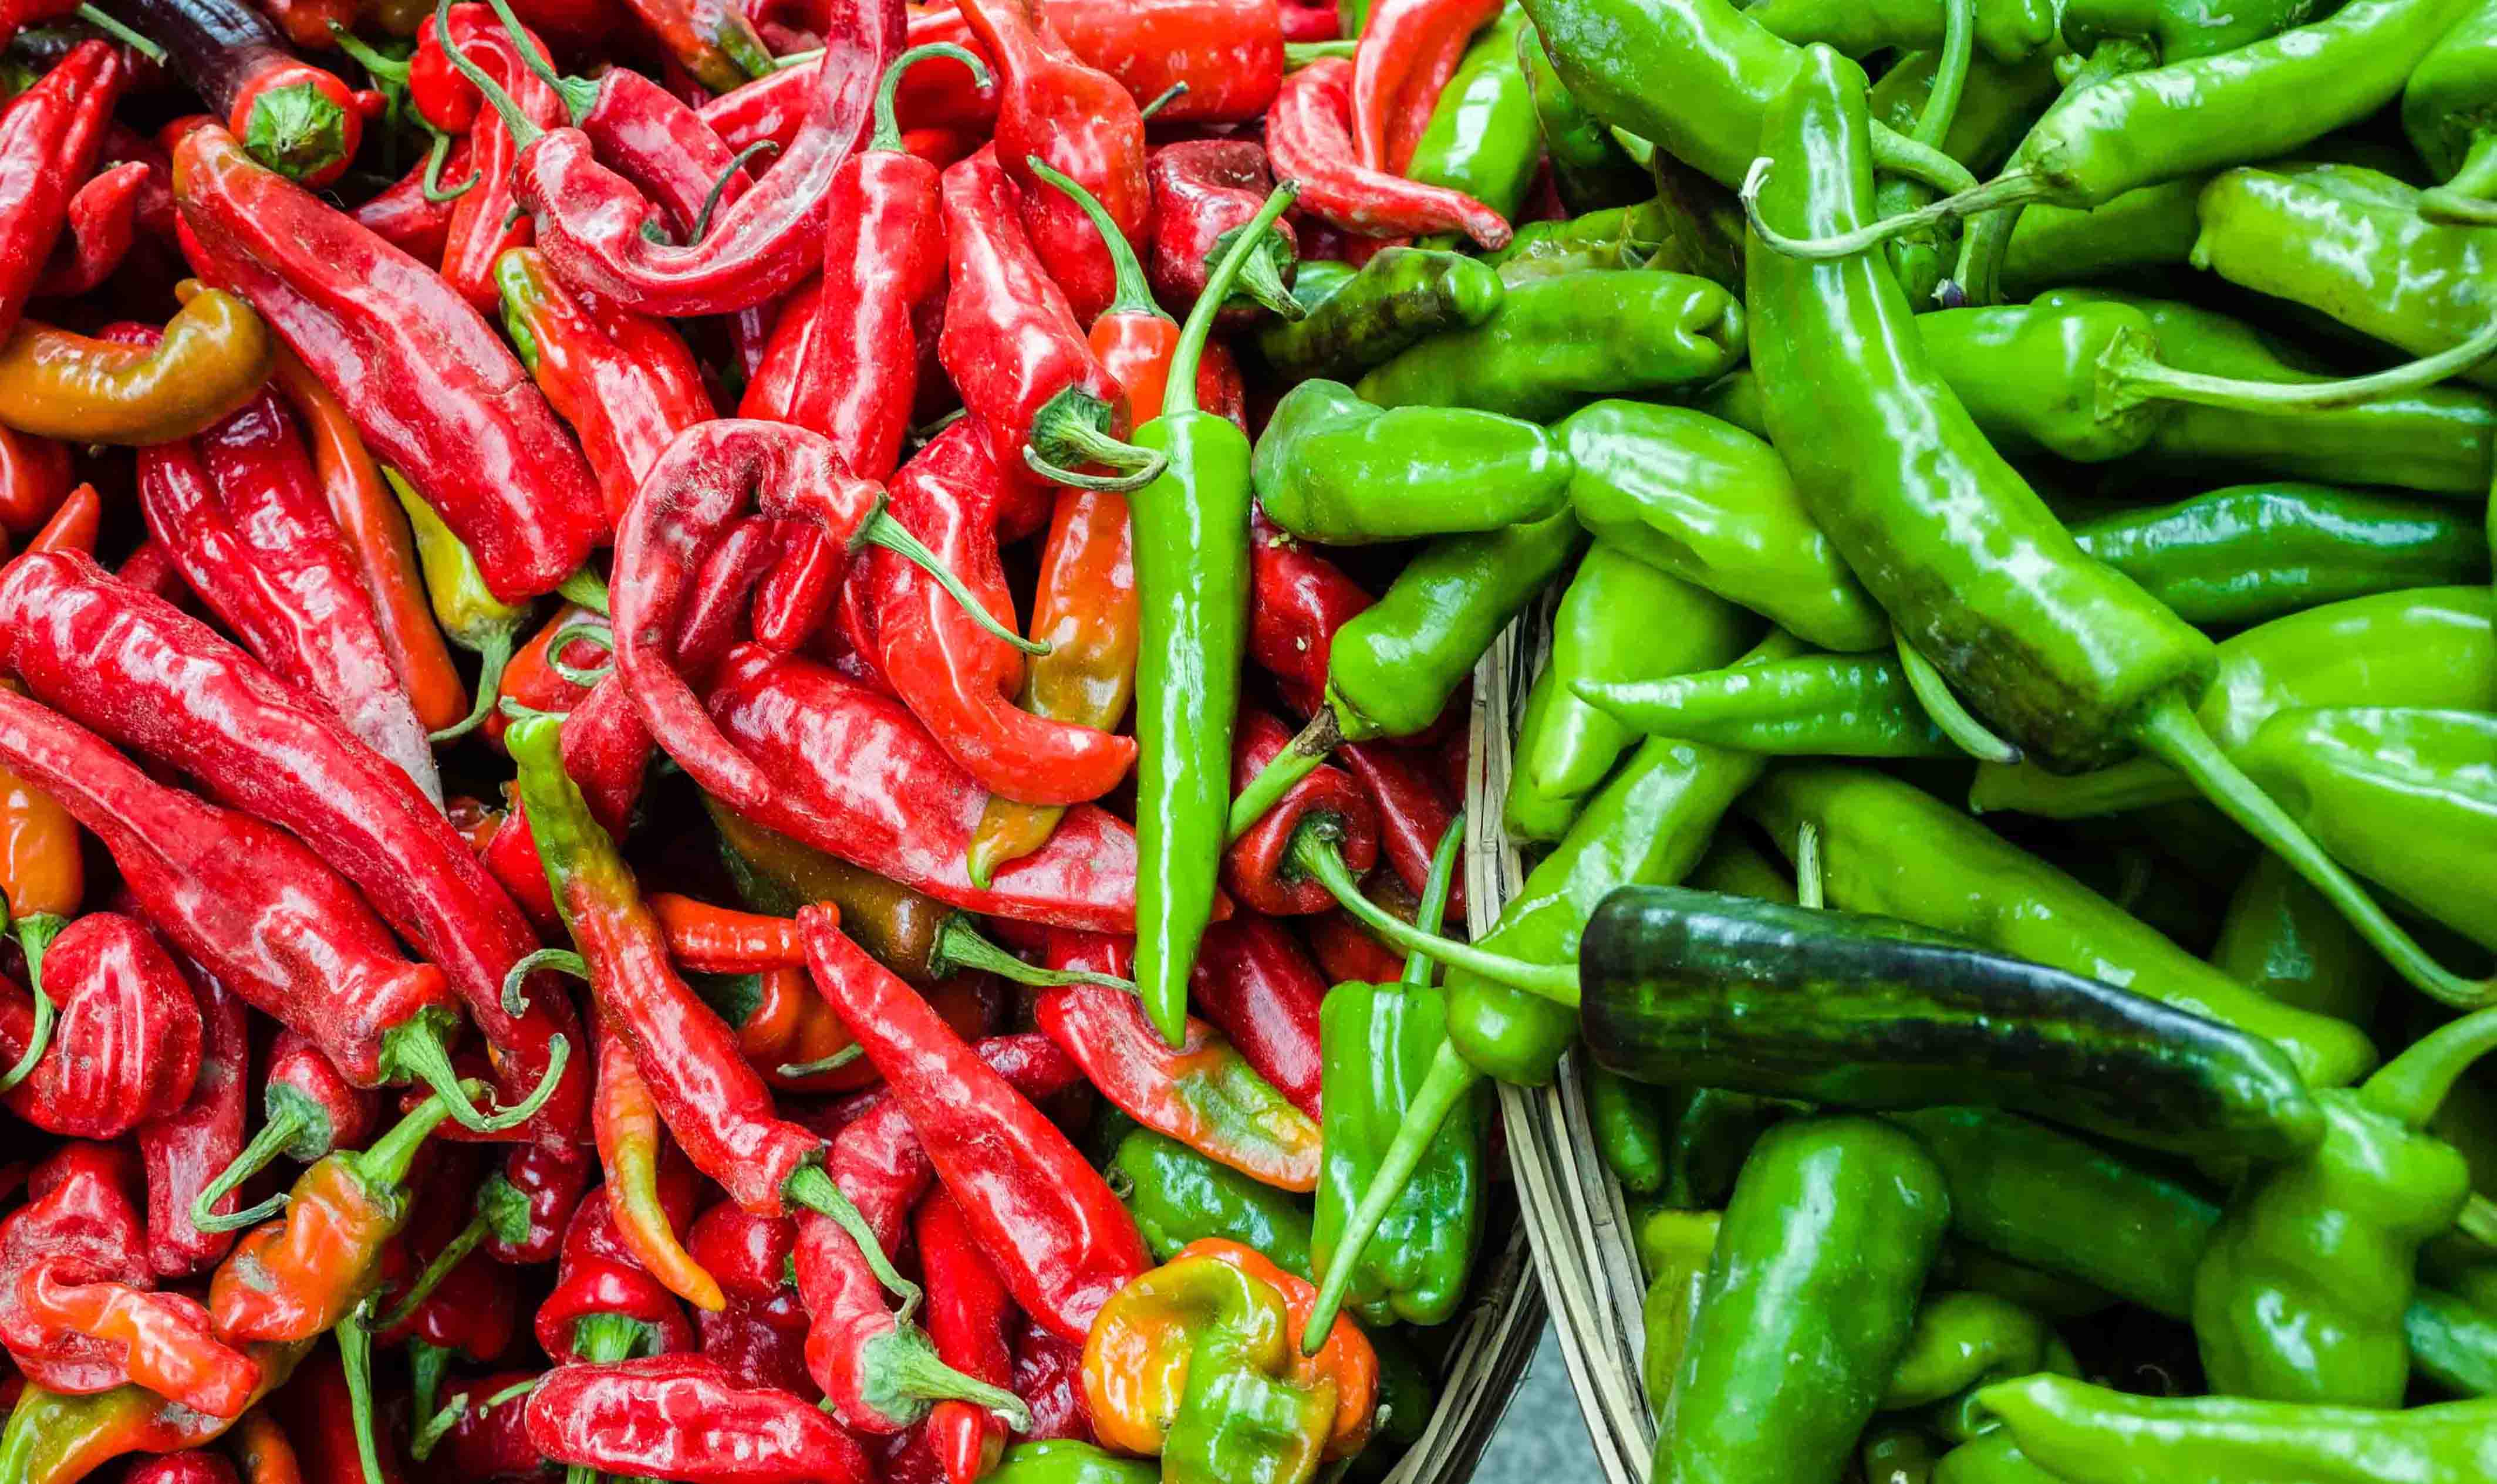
(24,14)
(318,1410)
(1205,191)
(604,1305)
(747,1253)
(309,1109)
(1252,980)
(624,381)
(551,1180)
(1312,23)
(191,1466)
(1348,953)
(760,1341)
(956,677)
(126,1045)
(967,1313)
(1013,346)
(1413,814)
(1228,54)
(642,1176)
(1298,601)
(262,1450)
(406,217)
(488,1441)
(911,818)
(102,222)
(266,914)
(78,1313)
(49,138)
(432,387)
(1079,120)
(682,1418)
(458,1305)
(1258,868)
(243,514)
(1410,49)
(187,1147)
(34,480)
(485,221)
(1309,134)
(530,680)
(1060,1239)
(1049,1377)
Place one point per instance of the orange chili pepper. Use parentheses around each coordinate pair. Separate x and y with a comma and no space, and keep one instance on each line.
(377,531)
(1347,1355)
(262,1449)
(722,940)
(626,1122)
(41,869)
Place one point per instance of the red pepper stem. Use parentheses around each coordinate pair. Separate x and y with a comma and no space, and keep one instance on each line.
(559,959)
(355,1360)
(959,946)
(431,184)
(2412,1084)
(888,128)
(1434,899)
(493,657)
(1447,1083)
(1299,759)
(1181,399)
(290,1119)
(523,132)
(809,1186)
(1133,293)
(881,529)
(1313,852)
(35,935)
(2168,732)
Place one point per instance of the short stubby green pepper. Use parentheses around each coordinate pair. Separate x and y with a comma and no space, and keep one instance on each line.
(1333,468)
(1715,506)
(2281,937)
(1560,342)
(1403,295)
(1179,1196)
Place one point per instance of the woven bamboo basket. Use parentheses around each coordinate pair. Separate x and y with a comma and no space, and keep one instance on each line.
(1569,1203)
(1493,1339)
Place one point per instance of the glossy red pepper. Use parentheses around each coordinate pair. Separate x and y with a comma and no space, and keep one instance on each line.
(1054,107)
(485,221)
(1049,1377)
(551,1180)
(748,1254)
(1309,136)
(191,1466)
(1258,868)
(531,680)
(1252,980)
(1298,600)
(1227,53)
(1312,23)
(80,1313)
(318,1410)
(967,1313)
(760,1341)
(488,1441)
(34,480)
(432,387)
(140,671)
(101,224)
(604,1305)
(1350,953)
(624,381)
(262,1453)
(722,940)
(125,1047)
(1413,814)
(455,1304)
(408,219)
(49,138)
(1014,345)
(682,1418)
(188,1147)
(1058,1236)
(243,516)
(1205,191)
(910,817)
(1408,50)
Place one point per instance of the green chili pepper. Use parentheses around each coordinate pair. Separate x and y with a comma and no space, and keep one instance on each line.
(1179,1196)
(1962,1340)
(1735,398)
(1192,546)
(2008,30)
(2452,1343)
(2280,937)
(1332,468)
(1993,1459)
(1897,1455)
(2249,553)
(2415,646)
(1809,1300)
(2087,1435)
(1734,865)
(1066,1461)
(1589,167)
(1963,878)
(1530,811)
(2407,796)
(1995,104)
(1614,237)
(1676,1247)
(1400,297)
(1714,505)
(1621,622)
(2153,226)
(1695,988)
(2446,108)
(1809,706)
(471,613)
(1482,136)
(1713,1134)
(2073,661)
(1560,342)
(1629,1123)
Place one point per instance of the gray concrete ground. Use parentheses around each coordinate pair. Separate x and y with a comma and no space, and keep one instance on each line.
(1544,1438)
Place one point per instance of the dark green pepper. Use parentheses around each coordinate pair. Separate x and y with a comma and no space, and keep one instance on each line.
(1897,1455)
(1714,505)
(1588,166)
(1809,706)
(1620,621)
(2408,797)
(1482,138)
(1686,986)
(1557,343)
(2057,1297)
(2249,553)
(1398,298)
(2282,938)
(1627,1120)
(1179,1196)
(1811,1297)
(1713,1134)
(1332,468)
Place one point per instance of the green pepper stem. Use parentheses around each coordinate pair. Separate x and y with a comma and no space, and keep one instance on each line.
(1076,479)
(883,530)
(35,934)
(585,588)
(888,127)
(589,631)
(811,1187)
(604,1338)
(1314,853)
(287,1123)
(2412,1084)
(2470,197)
(493,657)
(454,1252)
(435,154)
(562,961)
(1934,694)
(1261,279)
(383,1165)
(1434,899)
(1442,1087)
(906,1364)
(719,187)
(415,1048)
(1180,399)
(1300,758)
(96,16)
(959,946)
(2006,190)
(427,1364)
(1132,295)
(579,94)
(2130,373)
(1809,889)
(2478,1220)
(1162,100)
(428,1435)
(822,1064)
(1951,73)
(523,131)
(2169,731)
(355,1360)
